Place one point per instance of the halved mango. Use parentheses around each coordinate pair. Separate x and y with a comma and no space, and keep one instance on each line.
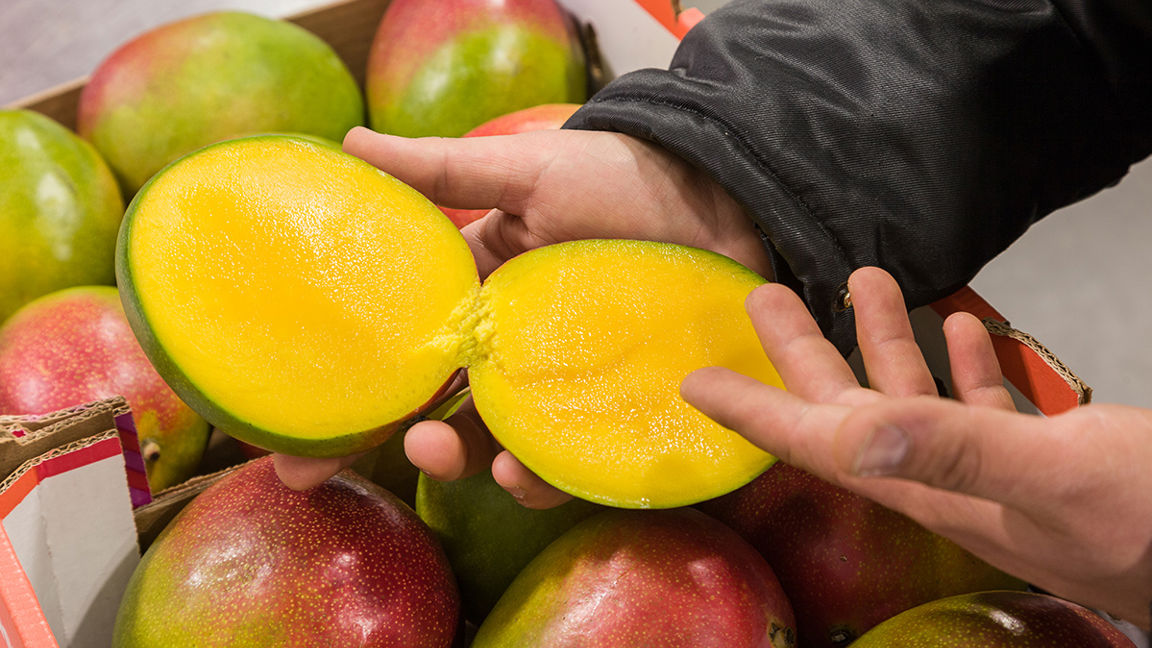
(308,303)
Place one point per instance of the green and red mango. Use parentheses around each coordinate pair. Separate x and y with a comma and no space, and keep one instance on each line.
(75,346)
(440,69)
(674,578)
(208,78)
(252,563)
(60,210)
(846,562)
(996,619)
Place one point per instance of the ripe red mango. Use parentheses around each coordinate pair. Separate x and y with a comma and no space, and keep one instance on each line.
(252,563)
(996,619)
(75,346)
(542,117)
(212,77)
(674,578)
(60,210)
(846,562)
(443,68)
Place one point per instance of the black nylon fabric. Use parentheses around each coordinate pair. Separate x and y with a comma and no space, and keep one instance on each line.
(919,136)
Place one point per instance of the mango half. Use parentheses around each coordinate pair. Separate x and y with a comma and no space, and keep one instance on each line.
(306,302)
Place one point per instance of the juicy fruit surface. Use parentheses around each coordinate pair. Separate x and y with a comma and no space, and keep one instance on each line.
(442,72)
(583,348)
(673,578)
(251,563)
(74,346)
(996,619)
(208,78)
(296,296)
(60,209)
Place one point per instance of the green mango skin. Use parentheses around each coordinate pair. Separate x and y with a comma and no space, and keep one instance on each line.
(252,563)
(673,578)
(60,209)
(75,346)
(846,562)
(488,536)
(388,467)
(208,78)
(996,619)
(440,69)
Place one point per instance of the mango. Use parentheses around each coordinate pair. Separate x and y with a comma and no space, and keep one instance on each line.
(665,579)
(488,536)
(252,563)
(542,117)
(75,346)
(60,210)
(212,77)
(996,619)
(846,562)
(305,302)
(442,68)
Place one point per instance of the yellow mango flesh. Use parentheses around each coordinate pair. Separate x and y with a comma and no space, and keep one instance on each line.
(581,351)
(298,289)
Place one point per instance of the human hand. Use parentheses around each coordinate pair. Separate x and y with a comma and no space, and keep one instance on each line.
(1060,502)
(543,187)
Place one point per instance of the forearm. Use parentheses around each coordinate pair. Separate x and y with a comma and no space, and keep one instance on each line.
(921,137)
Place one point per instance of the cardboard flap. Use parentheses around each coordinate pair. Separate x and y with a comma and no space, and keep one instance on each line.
(67,541)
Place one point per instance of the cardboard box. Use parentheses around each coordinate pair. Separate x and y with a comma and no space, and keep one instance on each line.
(627,36)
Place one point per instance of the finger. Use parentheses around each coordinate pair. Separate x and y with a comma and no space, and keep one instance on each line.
(466,173)
(797,432)
(303,473)
(526,486)
(894,362)
(976,375)
(984,452)
(807,362)
(497,237)
(458,447)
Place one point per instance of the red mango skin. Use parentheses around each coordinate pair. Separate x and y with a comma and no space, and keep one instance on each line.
(211,77)
(442,68)
(845,562)
(542,117)
(75,346)
(673,578)
(996,619)
(252,563)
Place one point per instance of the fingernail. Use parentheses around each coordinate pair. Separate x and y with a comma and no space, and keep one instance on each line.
(883,452)
(518,493)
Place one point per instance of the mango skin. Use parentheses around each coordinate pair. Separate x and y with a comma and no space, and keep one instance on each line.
(673,578)
(846,562)
(60,209)
(488,536)
(251,563)
(440,69)
(75,346)
(996,619)
(208,78)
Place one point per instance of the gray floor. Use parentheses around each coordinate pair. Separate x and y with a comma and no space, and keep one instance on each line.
(1075,280)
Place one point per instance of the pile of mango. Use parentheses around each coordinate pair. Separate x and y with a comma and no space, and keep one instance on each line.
(202,246)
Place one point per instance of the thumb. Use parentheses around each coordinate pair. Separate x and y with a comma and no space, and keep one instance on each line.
(979,451)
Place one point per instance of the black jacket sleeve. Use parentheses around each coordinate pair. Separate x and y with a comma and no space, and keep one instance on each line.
(922,136)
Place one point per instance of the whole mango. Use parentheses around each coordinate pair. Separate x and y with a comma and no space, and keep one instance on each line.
(208,78)
(252,563)
(441,68)
(75,346)
(60,210)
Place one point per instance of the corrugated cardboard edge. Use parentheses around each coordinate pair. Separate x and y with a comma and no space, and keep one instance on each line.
(24,437)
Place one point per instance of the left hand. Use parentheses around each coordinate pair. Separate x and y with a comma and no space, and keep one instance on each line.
(1060,502)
